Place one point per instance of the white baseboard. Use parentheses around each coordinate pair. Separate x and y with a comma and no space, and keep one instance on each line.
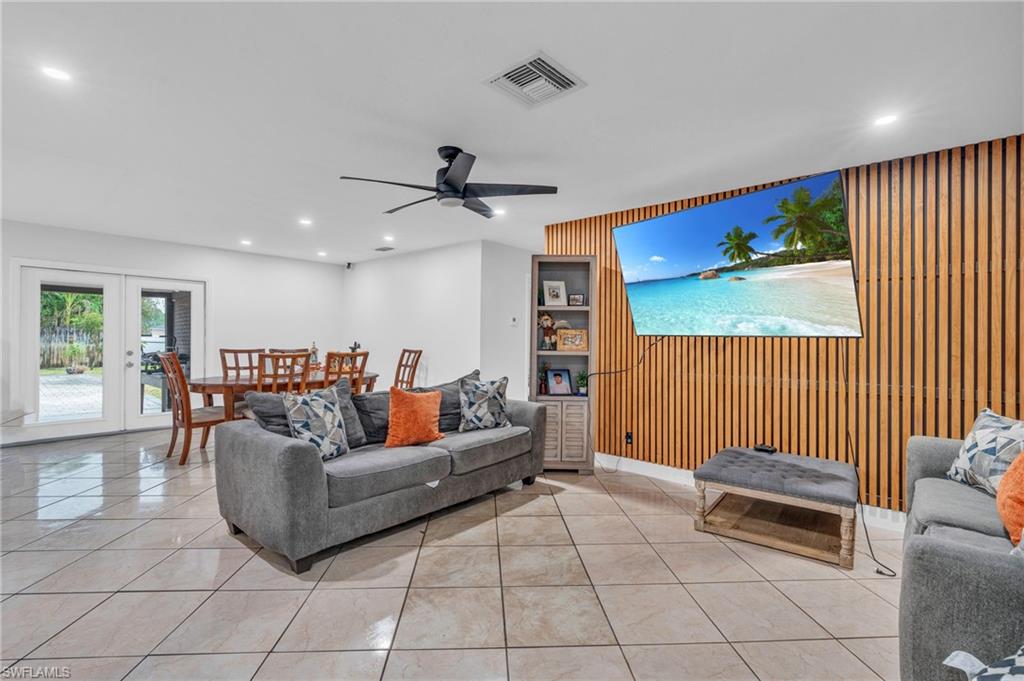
(874,516)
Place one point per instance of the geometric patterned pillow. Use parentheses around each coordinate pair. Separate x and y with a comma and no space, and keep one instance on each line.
(1007,669)
(988,450)
(483,404)
(316,418)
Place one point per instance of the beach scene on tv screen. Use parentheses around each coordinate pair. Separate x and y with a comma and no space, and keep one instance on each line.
(775,262)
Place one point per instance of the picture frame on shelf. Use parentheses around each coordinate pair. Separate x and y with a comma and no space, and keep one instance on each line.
(573,340)
(559,382)
(554,293)
(576,300)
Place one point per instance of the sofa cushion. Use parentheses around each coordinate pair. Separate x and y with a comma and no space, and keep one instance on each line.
(480,448)
(450,415)
(944,502)
(373,470)
(269,411)
(969,537)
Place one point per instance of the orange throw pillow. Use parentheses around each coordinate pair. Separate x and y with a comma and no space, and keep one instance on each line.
(412,418)
(1010,499)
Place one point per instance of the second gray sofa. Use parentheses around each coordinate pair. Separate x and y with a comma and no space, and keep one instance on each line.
(279,492)
(962,590)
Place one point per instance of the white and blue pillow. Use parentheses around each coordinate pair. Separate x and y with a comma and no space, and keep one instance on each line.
(317,418)
(988,450)
(483,404)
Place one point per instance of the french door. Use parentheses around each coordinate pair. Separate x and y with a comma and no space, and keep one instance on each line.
(88,345)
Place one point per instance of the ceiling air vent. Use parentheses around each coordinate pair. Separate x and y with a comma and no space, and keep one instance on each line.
(536,80)
(384,249)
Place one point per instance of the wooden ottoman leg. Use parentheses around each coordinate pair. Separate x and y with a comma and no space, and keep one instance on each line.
(698,519)
(847,531)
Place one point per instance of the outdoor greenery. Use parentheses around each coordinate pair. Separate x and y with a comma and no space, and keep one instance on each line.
(811,230)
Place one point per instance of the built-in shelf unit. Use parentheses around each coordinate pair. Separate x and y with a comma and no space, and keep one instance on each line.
(568,442)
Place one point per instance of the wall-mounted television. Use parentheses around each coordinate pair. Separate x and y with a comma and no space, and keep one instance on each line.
(775,262)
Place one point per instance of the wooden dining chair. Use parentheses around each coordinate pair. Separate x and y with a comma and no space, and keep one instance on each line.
(182,413)
(405,373)
(287,371)
(240,364)
(350,365)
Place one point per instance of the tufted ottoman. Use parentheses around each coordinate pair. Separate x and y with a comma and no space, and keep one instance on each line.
(788,502)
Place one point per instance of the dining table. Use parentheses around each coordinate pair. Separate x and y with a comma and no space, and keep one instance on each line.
(232,386)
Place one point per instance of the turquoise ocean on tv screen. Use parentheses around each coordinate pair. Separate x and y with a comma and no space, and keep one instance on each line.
(765,303)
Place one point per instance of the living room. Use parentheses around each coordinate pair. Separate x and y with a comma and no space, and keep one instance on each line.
(512,341)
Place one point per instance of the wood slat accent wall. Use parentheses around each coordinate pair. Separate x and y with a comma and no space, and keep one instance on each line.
(937,244)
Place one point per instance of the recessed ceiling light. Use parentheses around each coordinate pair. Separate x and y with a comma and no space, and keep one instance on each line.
(499,211)
(305,221)
(887,119)
(246,242)
(56,74)
(322,254)
(388,237)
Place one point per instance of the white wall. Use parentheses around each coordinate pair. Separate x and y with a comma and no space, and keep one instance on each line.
(252,300)
(455,303)
(428,300)
(505,296)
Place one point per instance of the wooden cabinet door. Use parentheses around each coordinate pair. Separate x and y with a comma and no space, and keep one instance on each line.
(574,431)
(553,431)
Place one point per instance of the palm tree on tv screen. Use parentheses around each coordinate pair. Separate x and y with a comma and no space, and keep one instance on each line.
(809,223)
(737,245)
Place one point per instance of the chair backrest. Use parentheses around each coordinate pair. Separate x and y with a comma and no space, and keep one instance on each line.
(283,371)
(350,365)
(240,364)
(177,387)
(405,374)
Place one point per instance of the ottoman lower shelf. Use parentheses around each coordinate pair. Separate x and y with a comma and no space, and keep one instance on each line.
(812,532)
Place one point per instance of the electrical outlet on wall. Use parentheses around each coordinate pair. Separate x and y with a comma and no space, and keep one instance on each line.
(629,437)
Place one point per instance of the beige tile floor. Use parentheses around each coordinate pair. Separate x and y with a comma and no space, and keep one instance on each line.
(117,565)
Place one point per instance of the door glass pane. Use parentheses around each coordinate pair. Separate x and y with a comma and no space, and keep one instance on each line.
(70,352)
(166,327)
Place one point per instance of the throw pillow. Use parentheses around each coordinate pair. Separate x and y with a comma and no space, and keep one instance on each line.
(412,418)
(451,404)
(316,418)
(269,412)
(1010,499)
(988,450)
(483,404)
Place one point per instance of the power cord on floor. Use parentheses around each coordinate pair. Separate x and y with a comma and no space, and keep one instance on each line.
(882,568)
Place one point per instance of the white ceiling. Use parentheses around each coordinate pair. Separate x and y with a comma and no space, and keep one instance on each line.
(210,123)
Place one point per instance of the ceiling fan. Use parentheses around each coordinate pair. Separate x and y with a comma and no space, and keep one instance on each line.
(451,188)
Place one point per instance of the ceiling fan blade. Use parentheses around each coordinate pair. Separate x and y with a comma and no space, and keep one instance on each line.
(458,171)
(397,184)
(481,189)
(413,203)
(478,206)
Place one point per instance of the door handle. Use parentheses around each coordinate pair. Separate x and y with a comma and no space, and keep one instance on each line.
(129,364)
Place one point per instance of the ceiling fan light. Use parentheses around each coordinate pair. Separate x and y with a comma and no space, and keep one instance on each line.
(451,201)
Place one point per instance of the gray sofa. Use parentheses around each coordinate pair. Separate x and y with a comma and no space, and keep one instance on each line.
(279,492)
(962,590)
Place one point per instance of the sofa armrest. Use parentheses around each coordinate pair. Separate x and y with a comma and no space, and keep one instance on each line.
(272,487)
(957,597)
(534,416)
(928,457)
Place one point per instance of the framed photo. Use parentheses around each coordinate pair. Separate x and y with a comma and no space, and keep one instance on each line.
(559,382)
(576,299)
(554,293)
(573,340)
